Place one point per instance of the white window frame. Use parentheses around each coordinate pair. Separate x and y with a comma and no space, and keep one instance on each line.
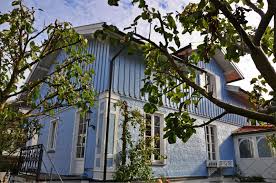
(77,135)
(99,155)
(205,79)
(273,150)
(103,99)
(52,137)
(162,161)
(254,148)
(216,150)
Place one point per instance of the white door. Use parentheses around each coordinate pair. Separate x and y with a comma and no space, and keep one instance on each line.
(79,145)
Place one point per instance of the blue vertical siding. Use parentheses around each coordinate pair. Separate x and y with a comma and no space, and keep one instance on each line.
(61,157)
(127,81)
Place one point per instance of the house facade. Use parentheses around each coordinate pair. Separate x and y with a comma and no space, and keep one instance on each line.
(76,144)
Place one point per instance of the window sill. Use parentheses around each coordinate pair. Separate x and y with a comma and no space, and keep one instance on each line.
(51,151)
(158,164)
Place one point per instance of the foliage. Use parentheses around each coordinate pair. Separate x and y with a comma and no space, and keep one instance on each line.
(135,163)
(8,163)
(222,25)
(24,48)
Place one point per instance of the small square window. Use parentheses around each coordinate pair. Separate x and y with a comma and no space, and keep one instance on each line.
(208,82)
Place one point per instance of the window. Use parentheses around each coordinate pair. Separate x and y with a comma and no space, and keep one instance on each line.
(81,138)
(208,82)
(153,136)
(101,121)
(112,134)
(264,149)
(52,135)
(246,148)
(211,142)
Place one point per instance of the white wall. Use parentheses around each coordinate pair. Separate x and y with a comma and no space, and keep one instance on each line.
(256,166)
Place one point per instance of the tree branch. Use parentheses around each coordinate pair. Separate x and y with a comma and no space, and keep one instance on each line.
(221,6)
(211,120)
(254,7)
(274,44)
(226,106)
(262,26)
(259,58)
(38,82)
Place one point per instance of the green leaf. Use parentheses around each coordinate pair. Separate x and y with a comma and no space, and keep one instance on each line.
(14,3)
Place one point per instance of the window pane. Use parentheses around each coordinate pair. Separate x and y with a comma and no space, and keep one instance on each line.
(214,156)
(202,80)
(157,131)
(102,106)
(264,149)
(212,130)
(78,152)
(100,133)
(246,150)
(157,143)
(98,162)
(80,129)
(111,134)
(82,152)
(157,155)
(211,142)
(109,162)
(53,135)
(213,148)
(112,107)
(156,121)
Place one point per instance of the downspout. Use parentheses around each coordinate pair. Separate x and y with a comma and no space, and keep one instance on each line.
(108,108)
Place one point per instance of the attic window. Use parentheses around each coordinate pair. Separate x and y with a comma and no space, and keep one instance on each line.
(208,82)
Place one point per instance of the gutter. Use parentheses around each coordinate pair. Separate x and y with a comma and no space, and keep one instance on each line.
(108,108)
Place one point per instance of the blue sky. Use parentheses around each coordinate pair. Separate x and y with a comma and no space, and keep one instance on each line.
(82,12)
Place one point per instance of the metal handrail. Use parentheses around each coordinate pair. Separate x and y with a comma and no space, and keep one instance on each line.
(52,164)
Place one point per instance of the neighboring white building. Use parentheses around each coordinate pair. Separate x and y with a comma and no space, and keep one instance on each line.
(254,154)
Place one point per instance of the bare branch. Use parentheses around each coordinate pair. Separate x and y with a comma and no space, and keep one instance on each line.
(262,27)
(254,7)
(211,120)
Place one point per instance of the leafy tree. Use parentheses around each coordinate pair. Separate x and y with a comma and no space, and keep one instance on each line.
(223,25)
(22,48)
(134,162)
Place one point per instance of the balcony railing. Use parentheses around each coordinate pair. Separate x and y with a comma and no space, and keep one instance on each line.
(220,163)
(30,160)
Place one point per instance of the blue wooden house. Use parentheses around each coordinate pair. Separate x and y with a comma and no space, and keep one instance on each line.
(76,147)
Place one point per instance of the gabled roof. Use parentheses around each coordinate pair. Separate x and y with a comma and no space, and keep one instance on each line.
(254,129)
(42,67)
(230,70)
